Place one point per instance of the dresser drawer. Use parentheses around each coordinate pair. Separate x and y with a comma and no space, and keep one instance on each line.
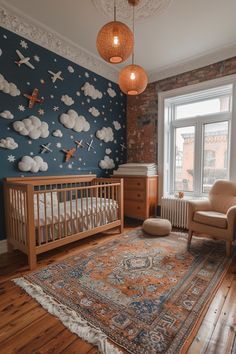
(135,209)
(134,184)
(135,195)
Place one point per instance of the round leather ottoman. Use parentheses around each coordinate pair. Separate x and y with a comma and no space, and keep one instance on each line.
(157,227)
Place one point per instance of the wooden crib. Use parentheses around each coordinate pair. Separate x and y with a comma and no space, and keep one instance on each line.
(42,213)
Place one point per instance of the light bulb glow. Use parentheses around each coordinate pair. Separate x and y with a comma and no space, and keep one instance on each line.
(132,76)
(116,40)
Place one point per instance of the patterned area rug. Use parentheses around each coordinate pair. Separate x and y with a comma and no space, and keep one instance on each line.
(143,293)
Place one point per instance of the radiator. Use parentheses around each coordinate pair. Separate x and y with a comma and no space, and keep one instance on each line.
(175,210)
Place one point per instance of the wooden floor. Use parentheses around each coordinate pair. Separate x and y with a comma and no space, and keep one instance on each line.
(25,327)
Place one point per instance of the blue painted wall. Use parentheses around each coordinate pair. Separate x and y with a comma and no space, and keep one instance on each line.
(26,79)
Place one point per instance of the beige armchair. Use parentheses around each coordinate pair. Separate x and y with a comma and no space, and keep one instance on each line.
(216,216)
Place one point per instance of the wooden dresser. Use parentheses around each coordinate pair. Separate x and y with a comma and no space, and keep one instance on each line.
(140,196)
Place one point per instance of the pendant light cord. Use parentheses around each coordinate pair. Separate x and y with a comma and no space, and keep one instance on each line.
(134,38)
(114,10)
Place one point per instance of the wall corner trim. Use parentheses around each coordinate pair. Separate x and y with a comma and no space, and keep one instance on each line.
(16,21)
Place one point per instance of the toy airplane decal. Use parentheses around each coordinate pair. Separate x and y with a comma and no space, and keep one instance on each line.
(55,76)
(79,143)
(34,98)
(90,145)
(23,60)
(69,153)
(45,148)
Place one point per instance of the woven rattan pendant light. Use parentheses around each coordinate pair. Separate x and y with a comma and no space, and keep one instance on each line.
(115,41)
(133,79)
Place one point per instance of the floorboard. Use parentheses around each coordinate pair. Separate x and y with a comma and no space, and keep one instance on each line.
(26,328)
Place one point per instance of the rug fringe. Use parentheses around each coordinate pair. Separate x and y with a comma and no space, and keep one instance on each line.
(70,319)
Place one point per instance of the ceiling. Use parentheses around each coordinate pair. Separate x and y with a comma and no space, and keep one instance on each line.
(184,35)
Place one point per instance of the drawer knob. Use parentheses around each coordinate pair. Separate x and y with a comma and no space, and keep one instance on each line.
(138,184)
(138,195)
(138,207)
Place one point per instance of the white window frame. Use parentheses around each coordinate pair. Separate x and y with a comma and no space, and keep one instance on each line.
(165,160)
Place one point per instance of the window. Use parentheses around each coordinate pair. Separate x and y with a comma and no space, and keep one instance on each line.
(209,157)
(184,147)
(197,137)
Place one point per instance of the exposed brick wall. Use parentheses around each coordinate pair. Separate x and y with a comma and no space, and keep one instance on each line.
(142,110)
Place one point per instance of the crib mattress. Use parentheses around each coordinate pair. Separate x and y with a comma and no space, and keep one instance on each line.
(81,208)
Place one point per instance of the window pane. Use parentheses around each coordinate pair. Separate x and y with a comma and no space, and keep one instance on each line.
(215,155)
(202,108)
(184,158)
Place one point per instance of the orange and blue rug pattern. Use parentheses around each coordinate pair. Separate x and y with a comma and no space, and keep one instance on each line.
(145,293)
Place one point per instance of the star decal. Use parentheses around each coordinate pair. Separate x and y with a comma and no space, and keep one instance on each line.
(41,112)
(11,158)
(55,108)
(24,44)
(21,108)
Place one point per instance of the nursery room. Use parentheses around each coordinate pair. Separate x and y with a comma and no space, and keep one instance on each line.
(117,177)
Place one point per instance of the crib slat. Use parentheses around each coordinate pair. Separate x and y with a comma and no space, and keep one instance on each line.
(38,220)
(71,214)
(25,216)
(52,211)
(82,209)
(45,218)
(15,215)
(65,217)
(96,206)
(58,215)
(76,212)
(86,194)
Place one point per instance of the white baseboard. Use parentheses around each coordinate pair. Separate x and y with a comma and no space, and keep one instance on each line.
(3,246)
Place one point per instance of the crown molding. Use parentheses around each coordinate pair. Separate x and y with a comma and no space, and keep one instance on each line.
(124,11)
(16,21)
(193,63)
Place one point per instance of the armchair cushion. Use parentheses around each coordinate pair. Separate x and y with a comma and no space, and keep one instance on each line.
(211,218)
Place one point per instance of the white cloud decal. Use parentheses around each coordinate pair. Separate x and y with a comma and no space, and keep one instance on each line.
(117,125)
(94,111)
(8,143)
(91,91)
(72,120)
(105,134)
(57,133)
(32,164)
(111,92)
(108,151)
(6,115)
(67,100)
(32,127)
(107,163)
(8,87)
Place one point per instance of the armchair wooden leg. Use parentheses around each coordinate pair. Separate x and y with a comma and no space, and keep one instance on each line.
(228,248)
(190,235)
